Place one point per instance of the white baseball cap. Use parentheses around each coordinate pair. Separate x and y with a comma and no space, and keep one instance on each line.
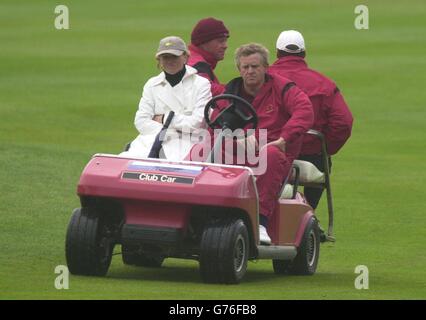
(291,41)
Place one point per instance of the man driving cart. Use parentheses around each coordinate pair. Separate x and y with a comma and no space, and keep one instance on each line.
(283,110)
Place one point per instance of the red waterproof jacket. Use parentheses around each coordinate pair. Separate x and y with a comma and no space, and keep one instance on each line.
(332,115)
(282,108)
(205,63)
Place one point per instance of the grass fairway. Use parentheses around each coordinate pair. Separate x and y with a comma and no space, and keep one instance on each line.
(67,94)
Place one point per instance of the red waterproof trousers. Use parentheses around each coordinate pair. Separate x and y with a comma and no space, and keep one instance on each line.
(269,184)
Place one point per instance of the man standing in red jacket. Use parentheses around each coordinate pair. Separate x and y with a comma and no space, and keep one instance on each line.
(284,110)
(208,46)
(332,115)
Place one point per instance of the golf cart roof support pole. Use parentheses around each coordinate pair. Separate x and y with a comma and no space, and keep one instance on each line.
(325,159)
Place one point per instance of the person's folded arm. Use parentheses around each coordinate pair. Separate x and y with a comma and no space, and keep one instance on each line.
(144,122)
(194,119)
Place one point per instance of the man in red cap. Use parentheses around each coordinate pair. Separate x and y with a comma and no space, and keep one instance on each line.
(332,115)
(208,45)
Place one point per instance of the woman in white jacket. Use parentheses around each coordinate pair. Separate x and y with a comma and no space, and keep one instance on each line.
(179,89)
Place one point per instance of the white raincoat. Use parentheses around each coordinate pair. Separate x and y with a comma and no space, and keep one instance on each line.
(187,99)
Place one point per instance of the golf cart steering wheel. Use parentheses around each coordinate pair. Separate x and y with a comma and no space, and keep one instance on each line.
(237,115)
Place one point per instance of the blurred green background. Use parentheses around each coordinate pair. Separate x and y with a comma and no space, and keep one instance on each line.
(67,94)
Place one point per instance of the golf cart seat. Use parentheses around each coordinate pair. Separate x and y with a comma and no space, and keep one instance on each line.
(305,173)
(287,192)
(308,174)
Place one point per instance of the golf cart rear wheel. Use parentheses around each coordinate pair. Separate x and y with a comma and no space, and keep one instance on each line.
(89,243)
(132,256)
(307,257)
(224,251)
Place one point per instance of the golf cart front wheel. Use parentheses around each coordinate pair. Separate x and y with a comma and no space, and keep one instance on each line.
(224,252)
(89,243)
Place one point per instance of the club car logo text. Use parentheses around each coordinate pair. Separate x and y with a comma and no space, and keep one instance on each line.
(152,177)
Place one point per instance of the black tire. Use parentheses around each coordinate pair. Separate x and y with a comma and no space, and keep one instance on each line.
(307,257)
(89,244)
(131,256)
(224,252)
